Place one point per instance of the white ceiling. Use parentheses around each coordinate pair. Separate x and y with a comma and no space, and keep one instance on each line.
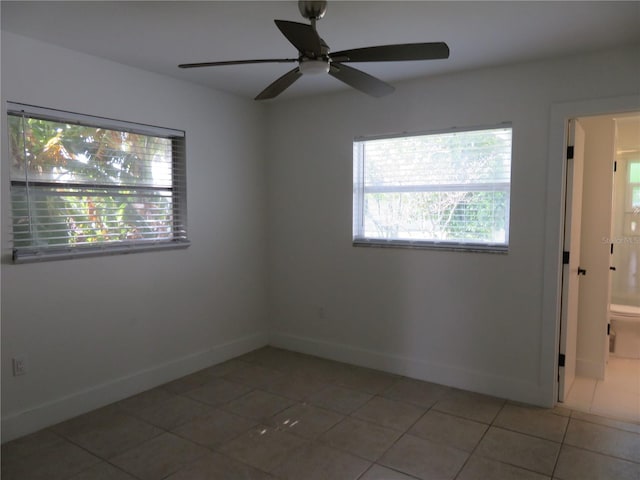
(157,36)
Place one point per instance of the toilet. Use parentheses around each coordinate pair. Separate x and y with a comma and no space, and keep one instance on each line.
(625,324)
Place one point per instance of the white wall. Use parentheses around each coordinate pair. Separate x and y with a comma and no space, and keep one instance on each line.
(471,320)
(98,329)
(594,255)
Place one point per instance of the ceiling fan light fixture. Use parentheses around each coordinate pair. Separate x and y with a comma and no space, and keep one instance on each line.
(314,67)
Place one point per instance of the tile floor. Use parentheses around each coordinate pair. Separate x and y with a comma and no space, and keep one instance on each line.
(274,414)
(617,396)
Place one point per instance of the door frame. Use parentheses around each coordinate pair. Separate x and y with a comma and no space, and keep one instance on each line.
(554,226)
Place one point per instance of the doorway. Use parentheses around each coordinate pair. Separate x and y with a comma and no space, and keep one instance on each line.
(603,384)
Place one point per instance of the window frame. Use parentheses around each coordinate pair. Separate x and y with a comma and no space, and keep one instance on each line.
(359,190)
(177,191)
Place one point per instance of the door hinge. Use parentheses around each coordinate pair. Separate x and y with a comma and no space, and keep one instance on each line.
(612,249)
(561,360)
(570,152)
(565,258)
(608,329)
(615,166)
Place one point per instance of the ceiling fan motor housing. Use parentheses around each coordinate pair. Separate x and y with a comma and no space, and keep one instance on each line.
(312,9)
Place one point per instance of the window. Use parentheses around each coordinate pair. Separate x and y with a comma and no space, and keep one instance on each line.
(84,185)
(632,210)
(440,190)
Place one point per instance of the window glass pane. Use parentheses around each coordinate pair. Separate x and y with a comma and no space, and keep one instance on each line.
(635,197)
(634,172)
(50,151)
(448,187)
(76,186)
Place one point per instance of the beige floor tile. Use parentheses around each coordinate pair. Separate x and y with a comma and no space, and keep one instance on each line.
(365,379)
(255,376)
(305,420)
(479,468)
(609,422)
(214,428)
(217,392)
(294,386)
(473,406)
(538,422)
(521,450)
(56,460)
(106,433)
(422,394)
(215,466)
(263,447)
(319,462)
(450,430)
(361,438)
(159,457)
(603,439)
(581,394)
(29,444)
(173,412)
(424,459)
(339,399)
(378,472)
(389,413)
(144,400)
(102,471)
(186,383)
(258,405)
(578,464)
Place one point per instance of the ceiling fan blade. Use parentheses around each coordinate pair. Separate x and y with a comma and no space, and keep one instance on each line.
(394,53)
(304,37)
(360,80)
(237,62)
(280,85)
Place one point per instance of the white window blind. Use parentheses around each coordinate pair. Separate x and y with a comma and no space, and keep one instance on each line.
(83,185)
(447,189)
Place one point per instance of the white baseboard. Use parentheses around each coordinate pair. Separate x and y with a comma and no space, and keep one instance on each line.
(473,380)
(21,423)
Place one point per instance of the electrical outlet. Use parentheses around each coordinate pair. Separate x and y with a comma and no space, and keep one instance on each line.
(19,365)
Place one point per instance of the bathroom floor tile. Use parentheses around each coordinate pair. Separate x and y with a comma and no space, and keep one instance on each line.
(607,421)
(389,413)
(305,420)
(424,459)
(254,376)
(319,462)
(616,401)
(365,379)
(361,438)
(296,387)
(581,393)
(537,422)
(519,450)
(450,430)
(173,412)
(577,464)
(159,457)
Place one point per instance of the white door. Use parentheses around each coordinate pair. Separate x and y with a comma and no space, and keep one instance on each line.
(571,271)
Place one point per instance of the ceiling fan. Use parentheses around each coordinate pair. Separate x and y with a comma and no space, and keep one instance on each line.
(314,56)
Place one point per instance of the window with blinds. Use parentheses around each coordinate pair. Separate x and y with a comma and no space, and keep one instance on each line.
(438,190)
(83,185)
